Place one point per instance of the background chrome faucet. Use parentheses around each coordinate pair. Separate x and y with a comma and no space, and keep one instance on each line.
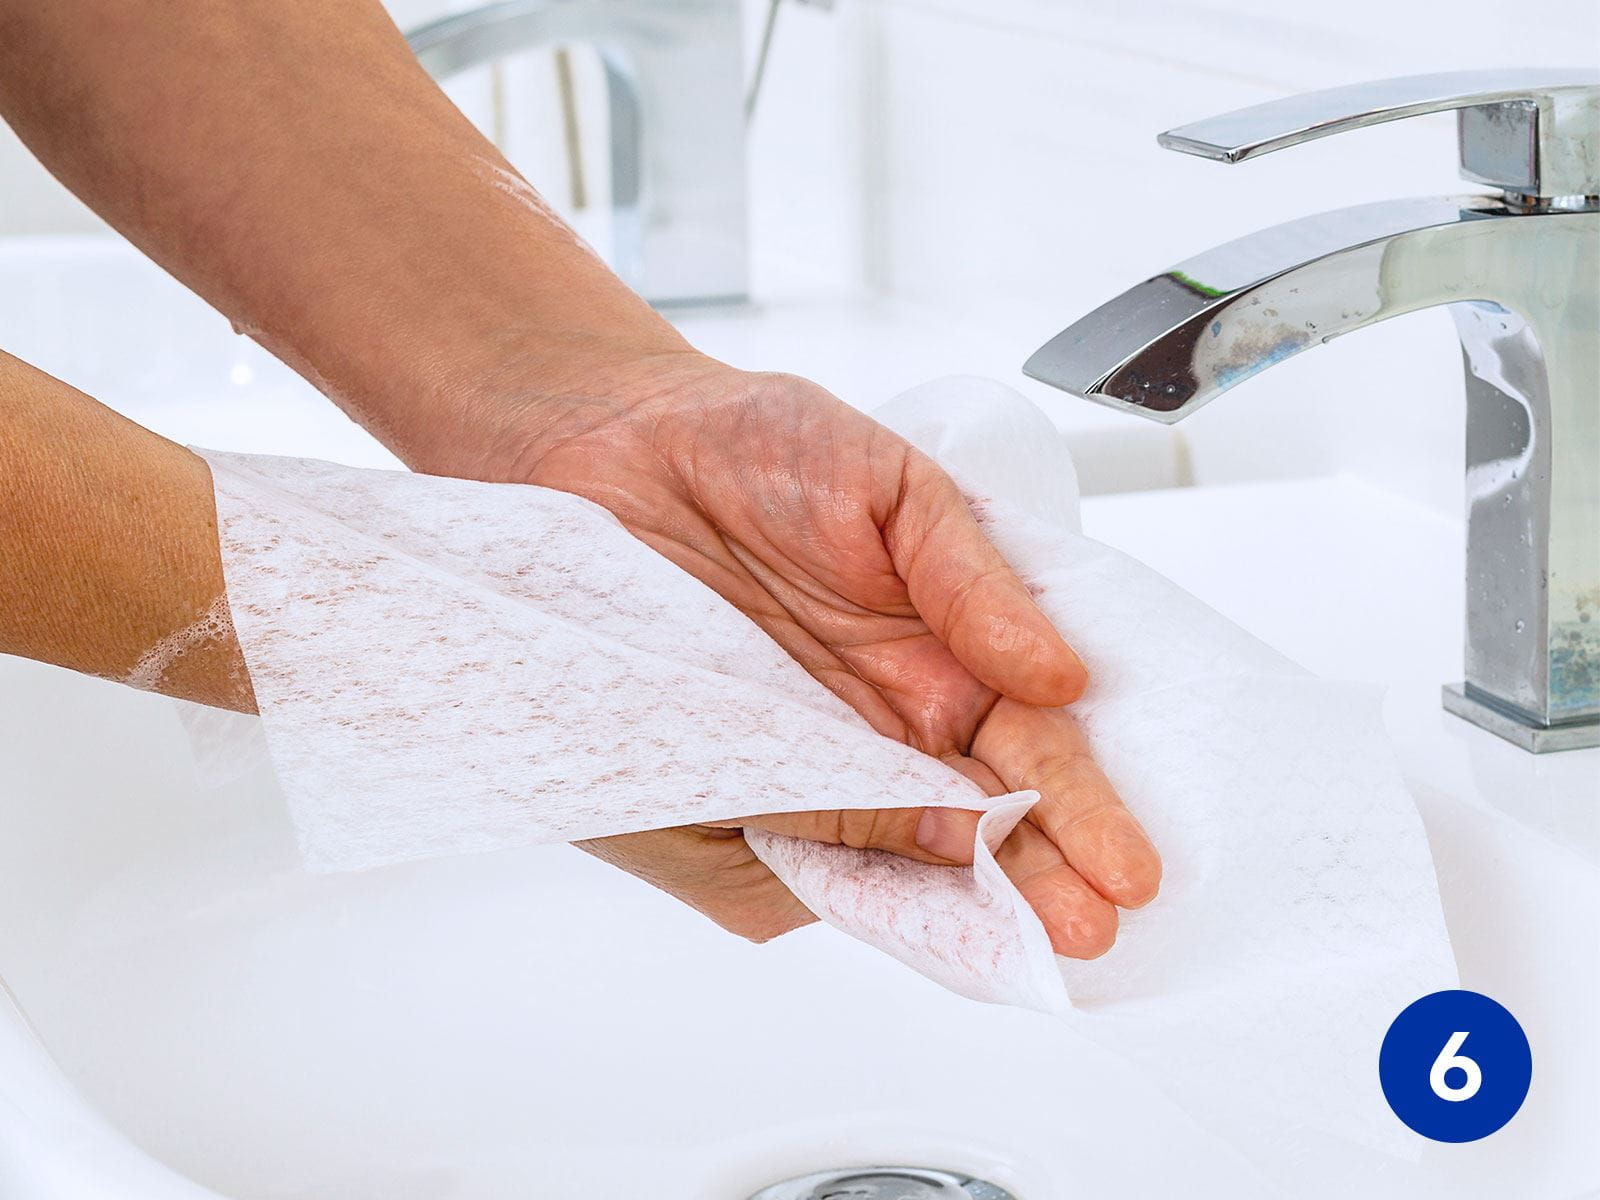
(674,86)
(1520,270)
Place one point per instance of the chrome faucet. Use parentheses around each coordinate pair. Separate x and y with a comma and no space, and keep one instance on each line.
(674,87)
(1520,270)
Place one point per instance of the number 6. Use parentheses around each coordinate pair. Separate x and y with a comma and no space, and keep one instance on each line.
(1449,1058)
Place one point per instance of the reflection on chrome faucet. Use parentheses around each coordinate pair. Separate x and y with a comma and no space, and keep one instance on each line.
(1520,271)
(674,81)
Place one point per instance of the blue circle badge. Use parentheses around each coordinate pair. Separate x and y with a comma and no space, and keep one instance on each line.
(1455,1066)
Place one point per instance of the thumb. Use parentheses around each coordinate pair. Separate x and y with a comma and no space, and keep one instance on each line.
(971,599)
(942,836)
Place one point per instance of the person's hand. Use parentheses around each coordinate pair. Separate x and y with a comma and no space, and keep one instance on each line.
(859,556)
(382,247)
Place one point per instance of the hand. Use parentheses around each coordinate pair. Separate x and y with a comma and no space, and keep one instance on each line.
(858,555)
(420,289)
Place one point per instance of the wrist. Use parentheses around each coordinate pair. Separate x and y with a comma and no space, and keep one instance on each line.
(506,414)
(456,397)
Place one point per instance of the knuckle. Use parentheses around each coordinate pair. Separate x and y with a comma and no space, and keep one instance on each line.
(751,928)
(1064,764)
(859,828)
(759,932)
(1093,811)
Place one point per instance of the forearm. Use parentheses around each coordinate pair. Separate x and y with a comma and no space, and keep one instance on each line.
(109,561)
(294,164)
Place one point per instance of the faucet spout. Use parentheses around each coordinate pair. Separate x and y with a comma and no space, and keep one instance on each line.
(1520,282)
(1176,341)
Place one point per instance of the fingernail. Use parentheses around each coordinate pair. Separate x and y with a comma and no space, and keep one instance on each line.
(945,832)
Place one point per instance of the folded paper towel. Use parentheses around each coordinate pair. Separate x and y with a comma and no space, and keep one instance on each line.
(445,666)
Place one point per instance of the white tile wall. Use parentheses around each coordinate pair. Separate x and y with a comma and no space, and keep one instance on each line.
(808,145)
(1016,184)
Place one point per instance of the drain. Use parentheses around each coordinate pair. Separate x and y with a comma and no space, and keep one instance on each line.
(884,1183)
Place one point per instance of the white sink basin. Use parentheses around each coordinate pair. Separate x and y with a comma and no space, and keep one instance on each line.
(533,1023)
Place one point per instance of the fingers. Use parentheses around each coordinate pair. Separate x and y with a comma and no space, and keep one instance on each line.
(942,836)
(1078,856)
(713,871)
(1081,922)
(1078,811)
(971,599)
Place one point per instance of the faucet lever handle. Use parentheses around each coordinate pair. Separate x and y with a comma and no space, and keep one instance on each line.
(1533,131)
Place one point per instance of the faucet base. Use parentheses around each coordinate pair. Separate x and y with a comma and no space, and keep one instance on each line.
(1537,739)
